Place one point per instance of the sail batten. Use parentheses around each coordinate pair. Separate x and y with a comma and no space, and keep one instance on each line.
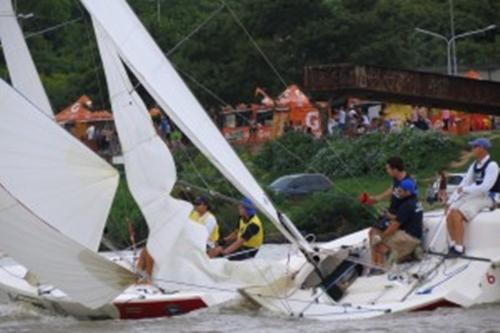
(22,70)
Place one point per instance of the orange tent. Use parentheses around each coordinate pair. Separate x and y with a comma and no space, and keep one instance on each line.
(80,112)
(302,111)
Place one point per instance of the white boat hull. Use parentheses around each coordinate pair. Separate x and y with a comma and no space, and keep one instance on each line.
(424,285)
(137,302)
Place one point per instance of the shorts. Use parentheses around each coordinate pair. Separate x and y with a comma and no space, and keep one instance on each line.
(402,243)
(471,205)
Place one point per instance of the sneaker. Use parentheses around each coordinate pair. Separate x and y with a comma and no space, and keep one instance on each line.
(454,253)
(418,253)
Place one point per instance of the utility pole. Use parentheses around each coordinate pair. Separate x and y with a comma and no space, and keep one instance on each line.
(454,45)
(451,41)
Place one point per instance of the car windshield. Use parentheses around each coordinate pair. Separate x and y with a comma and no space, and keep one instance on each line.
(282,182)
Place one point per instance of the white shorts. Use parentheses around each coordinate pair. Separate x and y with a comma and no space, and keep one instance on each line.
(471,205)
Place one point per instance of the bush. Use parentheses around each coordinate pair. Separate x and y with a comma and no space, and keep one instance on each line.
(424,152)
(331,214)
(289,154)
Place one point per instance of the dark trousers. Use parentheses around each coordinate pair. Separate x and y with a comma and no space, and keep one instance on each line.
(243,254)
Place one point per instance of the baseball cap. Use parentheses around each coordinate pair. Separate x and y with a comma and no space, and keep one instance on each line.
(481,142)
(201,200)
(408,185)
(249,206)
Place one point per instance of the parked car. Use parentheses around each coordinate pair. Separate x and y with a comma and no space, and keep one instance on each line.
(300,184)
(452,180)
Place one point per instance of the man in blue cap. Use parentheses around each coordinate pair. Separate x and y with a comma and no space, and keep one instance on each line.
(404,232)
(475,193)
(247,238)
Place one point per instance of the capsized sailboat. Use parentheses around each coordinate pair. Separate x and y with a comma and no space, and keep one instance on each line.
(62,198)
(305,289)
(184,277)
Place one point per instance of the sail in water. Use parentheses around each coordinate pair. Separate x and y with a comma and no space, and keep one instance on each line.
(177,244)
(22,71)
(49,182)
(148,63)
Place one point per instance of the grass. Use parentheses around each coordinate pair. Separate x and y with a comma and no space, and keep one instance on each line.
(125,208)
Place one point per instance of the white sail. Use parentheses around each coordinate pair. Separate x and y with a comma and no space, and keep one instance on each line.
(177,244)
(50,171)
(23,74)
(27,236)
(149,166)
(157,75)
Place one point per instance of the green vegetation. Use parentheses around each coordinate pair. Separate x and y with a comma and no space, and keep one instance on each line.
(354,166)
(291,33)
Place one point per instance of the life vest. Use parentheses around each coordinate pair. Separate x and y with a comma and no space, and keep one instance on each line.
(195,216)
(256,240)
(479,174)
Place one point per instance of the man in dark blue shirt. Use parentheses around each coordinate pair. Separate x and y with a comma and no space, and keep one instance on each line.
(404,232)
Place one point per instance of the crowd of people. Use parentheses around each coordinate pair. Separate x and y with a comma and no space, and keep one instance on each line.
(357,120)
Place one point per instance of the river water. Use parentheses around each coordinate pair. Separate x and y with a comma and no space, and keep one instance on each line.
(241,317)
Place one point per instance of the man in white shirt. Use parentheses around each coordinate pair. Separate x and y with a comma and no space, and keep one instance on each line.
(475,193)
(201,214)
(90,132)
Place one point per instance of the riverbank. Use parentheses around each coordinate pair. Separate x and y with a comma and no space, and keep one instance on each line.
(353,165)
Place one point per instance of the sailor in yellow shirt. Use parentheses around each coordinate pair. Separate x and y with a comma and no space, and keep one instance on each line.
(202,215)
(247,238)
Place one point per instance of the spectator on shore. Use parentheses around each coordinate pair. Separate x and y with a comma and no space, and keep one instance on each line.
(342,118)
(445,117)
(443,185)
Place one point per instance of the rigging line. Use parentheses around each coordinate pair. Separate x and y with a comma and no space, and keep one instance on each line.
(92,53)
(207,90)
(242,26)
(49,29)
(193,165)
(195,31)
(55,27)
(186,38)
(213,193)
(282,300)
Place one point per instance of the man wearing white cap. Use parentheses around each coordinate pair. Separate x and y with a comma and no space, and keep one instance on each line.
(476,192)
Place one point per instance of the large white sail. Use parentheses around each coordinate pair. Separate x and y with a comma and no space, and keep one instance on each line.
(29,148)
(157,75)
(177,244)
(149,166)
(61,180)
(23,74)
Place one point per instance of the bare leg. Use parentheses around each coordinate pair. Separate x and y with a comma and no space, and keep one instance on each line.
(459,228)
(145,264)
(450,224)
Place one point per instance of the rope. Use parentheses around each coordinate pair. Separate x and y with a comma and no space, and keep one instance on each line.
(92,54)
(187,37)
(196,30)
(242,26)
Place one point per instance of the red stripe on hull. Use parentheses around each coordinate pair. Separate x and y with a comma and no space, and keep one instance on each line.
(442,303)
(144,309)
